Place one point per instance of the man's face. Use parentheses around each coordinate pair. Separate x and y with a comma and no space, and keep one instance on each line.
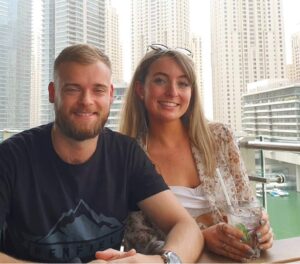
(82,95)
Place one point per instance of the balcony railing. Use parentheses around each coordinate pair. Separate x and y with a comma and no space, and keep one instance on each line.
(277,146)
(274,169)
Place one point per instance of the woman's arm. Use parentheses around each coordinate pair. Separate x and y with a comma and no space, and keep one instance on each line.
(142,235)
(235,164)
(243,186)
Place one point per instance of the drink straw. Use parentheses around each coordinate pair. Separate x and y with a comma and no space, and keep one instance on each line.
(224,188)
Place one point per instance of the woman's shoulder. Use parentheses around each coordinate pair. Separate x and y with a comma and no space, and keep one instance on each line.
(221,131)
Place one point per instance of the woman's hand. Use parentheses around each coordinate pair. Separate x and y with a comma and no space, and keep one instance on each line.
(264,233)
(226,240)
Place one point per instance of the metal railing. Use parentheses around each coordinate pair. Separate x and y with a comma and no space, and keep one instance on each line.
(280,178)
(278,146)
(269,146)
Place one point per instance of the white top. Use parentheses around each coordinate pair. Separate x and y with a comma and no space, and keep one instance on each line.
(192,199)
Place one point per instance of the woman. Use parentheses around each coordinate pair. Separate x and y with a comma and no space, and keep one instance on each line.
(163,112)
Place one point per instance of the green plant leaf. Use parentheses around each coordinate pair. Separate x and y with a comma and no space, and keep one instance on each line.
(243,228)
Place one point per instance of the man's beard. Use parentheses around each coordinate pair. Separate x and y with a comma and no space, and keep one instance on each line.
(76,132)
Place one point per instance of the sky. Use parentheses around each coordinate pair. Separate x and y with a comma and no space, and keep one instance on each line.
(200,24)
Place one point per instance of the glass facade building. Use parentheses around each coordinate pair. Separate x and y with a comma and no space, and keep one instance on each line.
(17,58)
(273,112)
(67,23)
(116,107)
(247,45)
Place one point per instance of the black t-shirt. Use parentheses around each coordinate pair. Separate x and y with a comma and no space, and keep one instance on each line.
(55,211)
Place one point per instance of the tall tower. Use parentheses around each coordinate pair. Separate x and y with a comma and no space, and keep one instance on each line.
(79,21)
(20,60)
(67,23)
(112,43)
(165,22)
(296,55)
(247,46)
(48,54)
(5,71)
(196,48)
(158,21)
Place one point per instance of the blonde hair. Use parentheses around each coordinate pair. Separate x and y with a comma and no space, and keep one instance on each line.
(134,120)
(81,53)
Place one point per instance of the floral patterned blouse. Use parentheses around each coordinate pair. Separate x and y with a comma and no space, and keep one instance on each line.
(146,238)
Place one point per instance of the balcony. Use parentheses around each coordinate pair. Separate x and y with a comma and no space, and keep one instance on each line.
(274,170)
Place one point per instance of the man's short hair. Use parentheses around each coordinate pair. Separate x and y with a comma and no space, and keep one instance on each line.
(83,54)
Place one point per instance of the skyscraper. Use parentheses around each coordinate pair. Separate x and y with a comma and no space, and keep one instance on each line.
(116,107)
(247,45)
(290,71)
(20,60)
(196,48)
(296,55)
(158,21)
(112,43)
(33,33)
(67,23)
(163,22)
(4,55)
(79,21)
(271,109)
(48,54)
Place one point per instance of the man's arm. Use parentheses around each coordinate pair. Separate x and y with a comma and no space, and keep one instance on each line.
(8,259)
(181,229)
(183,235)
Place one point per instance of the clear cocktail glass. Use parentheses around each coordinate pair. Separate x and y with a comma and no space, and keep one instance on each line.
(246,216)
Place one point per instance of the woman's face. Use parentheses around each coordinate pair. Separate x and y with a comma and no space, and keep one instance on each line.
(167,91)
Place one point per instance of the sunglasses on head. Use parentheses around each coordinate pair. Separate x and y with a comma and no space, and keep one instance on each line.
(162,47)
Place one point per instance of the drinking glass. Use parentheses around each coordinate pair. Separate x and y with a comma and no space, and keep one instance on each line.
(246,215)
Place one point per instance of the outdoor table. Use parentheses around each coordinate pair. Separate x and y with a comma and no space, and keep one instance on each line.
(283,251)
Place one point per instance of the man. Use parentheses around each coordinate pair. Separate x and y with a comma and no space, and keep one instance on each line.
(66,187)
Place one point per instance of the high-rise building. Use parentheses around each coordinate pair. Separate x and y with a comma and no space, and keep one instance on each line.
(67,23)
(116,107)
(33,32)
(271,109)
(296,55)
(48,54)
(158,21)
(196,48)
(36,60)
(5,134)
(20,60)
(5,70)
(113,47)
(290,71)
(79,21)
(163,22)
(247,45)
